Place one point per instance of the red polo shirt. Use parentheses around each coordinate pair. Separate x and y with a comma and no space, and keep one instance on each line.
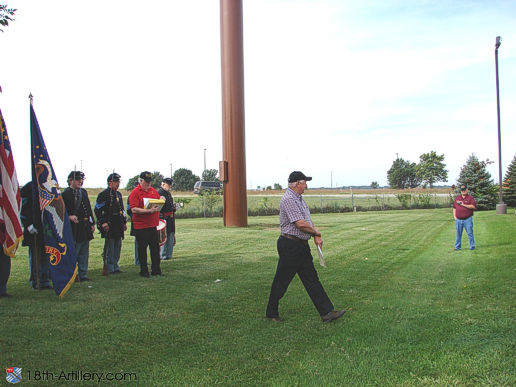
(136,197)
(462,212)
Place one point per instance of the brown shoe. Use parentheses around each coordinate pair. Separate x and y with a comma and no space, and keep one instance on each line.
(275,319)
(333,315)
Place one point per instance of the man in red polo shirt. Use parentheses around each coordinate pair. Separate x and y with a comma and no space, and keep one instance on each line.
(145,221)
(463,207)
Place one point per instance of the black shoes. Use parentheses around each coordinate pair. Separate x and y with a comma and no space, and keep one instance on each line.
(333,315)
(275,319)
(146,275)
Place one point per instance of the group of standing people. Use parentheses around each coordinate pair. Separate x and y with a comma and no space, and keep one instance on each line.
(111,221)
(296,224)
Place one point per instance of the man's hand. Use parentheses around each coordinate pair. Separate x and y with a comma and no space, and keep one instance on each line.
(318,241)
(73,219)
(154,209)
(32,230)
(105,227)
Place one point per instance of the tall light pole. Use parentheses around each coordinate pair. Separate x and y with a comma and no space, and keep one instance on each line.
(501,207)
(204,172)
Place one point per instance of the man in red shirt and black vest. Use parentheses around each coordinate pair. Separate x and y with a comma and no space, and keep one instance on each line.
(463,207)
(145,221)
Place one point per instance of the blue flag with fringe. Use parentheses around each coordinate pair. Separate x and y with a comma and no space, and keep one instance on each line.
(49,214)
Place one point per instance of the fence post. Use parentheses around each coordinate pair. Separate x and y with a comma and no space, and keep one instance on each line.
(352,199)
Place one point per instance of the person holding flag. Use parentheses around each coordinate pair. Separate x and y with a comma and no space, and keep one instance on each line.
(33,239)
(10,199)
(49,214)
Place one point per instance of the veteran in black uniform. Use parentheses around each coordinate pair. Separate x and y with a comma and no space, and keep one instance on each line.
(33,238)
(111,222)
(81,218)
(167,214)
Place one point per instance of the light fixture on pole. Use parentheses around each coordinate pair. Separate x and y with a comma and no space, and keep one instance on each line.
(204,172)
(501,207)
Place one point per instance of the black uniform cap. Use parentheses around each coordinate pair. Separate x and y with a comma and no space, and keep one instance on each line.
(76,175)
(113,177)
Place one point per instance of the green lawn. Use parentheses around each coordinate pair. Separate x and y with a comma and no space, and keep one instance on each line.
(419,313)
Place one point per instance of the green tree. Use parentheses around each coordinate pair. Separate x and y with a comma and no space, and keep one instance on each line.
(375,185)
(402,174)
(478,180)
(157,178)
(132,182)
(6,15)
(210,175)
(277,186)
(431,169)
(184,179)
(509,184)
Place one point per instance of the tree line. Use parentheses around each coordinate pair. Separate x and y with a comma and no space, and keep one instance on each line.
(184,179)
(432,169)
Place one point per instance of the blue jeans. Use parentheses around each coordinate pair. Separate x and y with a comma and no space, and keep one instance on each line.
(113,248)
(461,224)
(43,270)
(83,252)
(168,248)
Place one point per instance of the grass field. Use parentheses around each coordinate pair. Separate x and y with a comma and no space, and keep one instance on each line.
(419,313)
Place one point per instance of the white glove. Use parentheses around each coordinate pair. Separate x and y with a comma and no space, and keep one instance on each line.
(31,229)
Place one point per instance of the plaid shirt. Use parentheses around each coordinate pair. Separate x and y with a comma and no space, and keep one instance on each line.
(292,209)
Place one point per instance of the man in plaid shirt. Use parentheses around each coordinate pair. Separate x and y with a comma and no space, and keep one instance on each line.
(294,252)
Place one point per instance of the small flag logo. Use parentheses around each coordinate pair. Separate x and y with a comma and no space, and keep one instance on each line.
(13,375)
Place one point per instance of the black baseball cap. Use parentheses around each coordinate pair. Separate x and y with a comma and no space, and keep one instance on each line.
(76,175)
(147,176)
(463,187)
(168,180)
(113,177)
(297,175)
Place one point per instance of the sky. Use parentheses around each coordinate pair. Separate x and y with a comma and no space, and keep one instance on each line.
(336,89)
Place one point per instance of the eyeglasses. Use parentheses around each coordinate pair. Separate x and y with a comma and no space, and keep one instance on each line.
(463,189)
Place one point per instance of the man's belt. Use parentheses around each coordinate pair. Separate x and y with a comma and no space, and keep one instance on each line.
(465,218)
(294,238)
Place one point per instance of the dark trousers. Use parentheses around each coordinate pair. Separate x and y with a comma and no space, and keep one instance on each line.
(5,271)
(295,257)
(148,237)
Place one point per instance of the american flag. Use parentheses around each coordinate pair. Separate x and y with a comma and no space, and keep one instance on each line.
(11,232)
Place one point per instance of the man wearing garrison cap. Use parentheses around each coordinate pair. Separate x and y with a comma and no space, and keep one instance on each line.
(294,252)
(81,218)
(111,222)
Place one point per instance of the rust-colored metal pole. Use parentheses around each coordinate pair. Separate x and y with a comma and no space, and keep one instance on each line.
(233,113)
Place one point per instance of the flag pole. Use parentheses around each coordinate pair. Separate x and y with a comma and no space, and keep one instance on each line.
(36,247)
